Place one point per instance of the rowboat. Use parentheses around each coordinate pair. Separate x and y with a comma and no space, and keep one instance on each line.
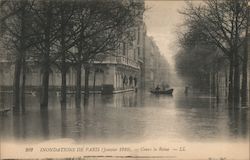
(168,91)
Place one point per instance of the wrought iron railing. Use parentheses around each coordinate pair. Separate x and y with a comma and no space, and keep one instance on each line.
(119,60)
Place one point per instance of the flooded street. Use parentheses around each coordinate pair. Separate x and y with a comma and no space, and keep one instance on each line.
(127,79)
(128,117)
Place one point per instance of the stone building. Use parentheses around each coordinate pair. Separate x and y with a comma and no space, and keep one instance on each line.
(156,66)
(117,72)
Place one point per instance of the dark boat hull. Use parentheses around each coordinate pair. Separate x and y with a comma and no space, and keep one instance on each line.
(169,91)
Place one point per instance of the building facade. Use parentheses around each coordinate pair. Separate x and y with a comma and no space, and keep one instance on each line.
(118,72)
(156,66)
(135,64)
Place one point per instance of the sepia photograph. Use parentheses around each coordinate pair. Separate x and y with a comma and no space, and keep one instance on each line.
(125,79)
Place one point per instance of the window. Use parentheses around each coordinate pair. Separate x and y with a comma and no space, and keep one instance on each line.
(124,48)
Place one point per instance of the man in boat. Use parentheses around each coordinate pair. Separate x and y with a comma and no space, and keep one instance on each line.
(157,88)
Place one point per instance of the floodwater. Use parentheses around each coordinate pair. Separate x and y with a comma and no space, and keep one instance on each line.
(128,117)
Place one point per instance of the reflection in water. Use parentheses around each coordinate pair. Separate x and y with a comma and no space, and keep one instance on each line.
(78,123)
(45,123)
(17,126)
(63,122)
(238,118)
(128,117)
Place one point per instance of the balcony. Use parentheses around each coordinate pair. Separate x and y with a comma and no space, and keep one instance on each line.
(119,60)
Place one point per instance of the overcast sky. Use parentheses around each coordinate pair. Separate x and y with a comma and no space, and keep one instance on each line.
(161,20)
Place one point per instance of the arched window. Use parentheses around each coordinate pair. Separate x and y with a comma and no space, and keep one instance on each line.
(130,80)
(135,81)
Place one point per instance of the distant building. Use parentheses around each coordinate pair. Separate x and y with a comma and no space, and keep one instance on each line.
(122,71)
(156,66)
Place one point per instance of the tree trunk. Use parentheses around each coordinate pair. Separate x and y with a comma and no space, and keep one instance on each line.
(226,82)
(86,83)
(21,57)
(45,88)
(78,84)
(16,87)
(210,84)
(244,67)
(94,80)
(63,75)
(19,60)
(46,57)
(244,81)
(23,86)
(213,83)
(231,80)
(217,87)
(63,84)
(63,63)
(236,81)
(237,62)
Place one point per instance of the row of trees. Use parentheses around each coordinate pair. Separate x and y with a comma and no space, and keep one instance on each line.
(214,41)
(63,33)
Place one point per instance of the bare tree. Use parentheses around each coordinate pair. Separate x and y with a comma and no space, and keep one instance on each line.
(245,63)
(224,22)
(102,25)
(17,37)
(65,38)
(56,27)
(46,30)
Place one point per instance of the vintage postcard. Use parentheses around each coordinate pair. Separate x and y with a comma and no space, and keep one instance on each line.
(124,79)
